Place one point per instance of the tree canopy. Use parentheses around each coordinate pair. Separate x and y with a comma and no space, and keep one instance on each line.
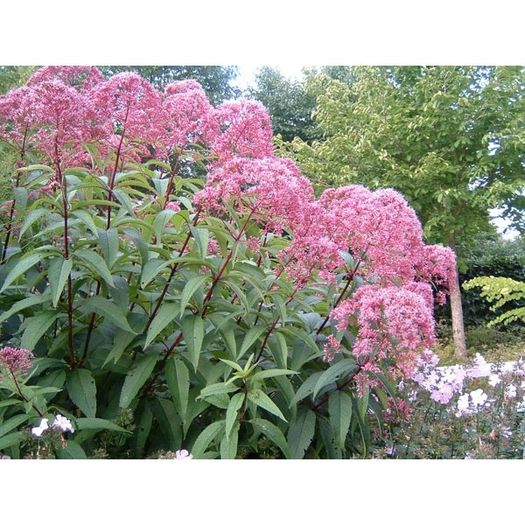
(449,138)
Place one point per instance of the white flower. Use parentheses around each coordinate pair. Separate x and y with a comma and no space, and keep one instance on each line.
(183,454)
(479,398)
(40,429)
(481,367)
(463,405)
(510,392)
(63,424)
(494,379)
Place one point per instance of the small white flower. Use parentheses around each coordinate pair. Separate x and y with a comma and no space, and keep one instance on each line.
(183,454)
(494,379)
(40,429)
(63,424)
(510,392)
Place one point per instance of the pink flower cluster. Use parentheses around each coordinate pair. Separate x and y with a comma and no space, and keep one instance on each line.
(17,360)
(63,108)
(393,324)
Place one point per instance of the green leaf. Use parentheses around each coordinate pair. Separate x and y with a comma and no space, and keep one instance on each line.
(12,423)
(165,315)
(333,373)
(108,240)
(86,218)
(101,306)
(96,423)
(193,330)
(21,268)
(12,439)
(272,372)
(216,389)
(229,442)
(279,349)
(136,378)
(232,410)
(189,290)
(178,380)
(145,421)
(31,300)
(36,327)
(59,271)
(340,412)
(201,236)
(306,388)
(151,269)
(301,433)
(96,264)
(31,218)
(205,438)
(83,391)
(258,397)
(273,433)
(72,451)
(251,336)
(121,341)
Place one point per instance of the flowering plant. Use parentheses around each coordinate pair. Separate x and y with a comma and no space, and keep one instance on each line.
(181,288)
(462,411)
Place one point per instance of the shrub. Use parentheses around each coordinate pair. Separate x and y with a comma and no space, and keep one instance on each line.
(181,289)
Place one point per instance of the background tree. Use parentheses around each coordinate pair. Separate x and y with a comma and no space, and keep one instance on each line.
(13,76)
(289,103)
(216,80)
(449,138)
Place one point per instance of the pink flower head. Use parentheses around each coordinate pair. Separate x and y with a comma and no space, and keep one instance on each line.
(272,189)
(17,360)
(437,264)
(392,322)
(213,247)
(173,206)
(331,347)
(188,115)
(82,78)
(62,117)
(17,118)
(378,228)
(245,130)
(129,102)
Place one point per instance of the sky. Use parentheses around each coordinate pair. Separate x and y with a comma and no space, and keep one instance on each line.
(247,73)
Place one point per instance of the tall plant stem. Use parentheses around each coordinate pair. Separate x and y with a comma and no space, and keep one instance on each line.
(222,269)
(172,273)
(115,168)
(13,203)
(350,278)
(93,317)
(69,292)
(21,394)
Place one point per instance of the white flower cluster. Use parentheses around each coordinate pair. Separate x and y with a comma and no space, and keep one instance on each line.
(472,403)
(61,423)
(183,454)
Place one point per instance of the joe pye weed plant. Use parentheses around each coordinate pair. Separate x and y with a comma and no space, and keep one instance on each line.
(174,289)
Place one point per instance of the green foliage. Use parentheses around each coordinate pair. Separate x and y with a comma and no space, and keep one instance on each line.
(289,103)
(500,291)
(14,76)
(449,138)
(148,343)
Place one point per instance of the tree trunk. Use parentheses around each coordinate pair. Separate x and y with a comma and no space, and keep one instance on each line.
(458,327)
